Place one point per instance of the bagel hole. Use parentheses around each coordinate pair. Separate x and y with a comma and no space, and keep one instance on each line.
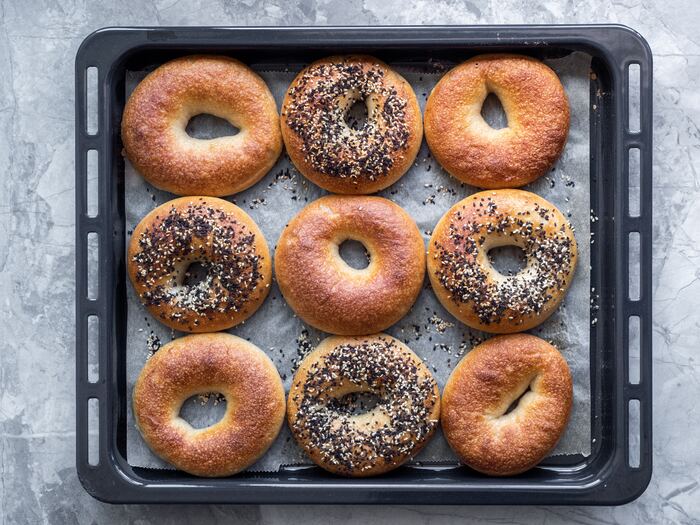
(357,114)
(355,403)
(515,403)
(203,410)
(206,127)
(493,113)
(507,260)
(355,254)
(195,274)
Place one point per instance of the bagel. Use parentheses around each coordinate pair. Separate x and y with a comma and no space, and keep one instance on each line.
(326,150)
(472,290)
(200,364)
(157,112)
(224,240)
(535,105)
(378,440)
(324,291)
(476,417)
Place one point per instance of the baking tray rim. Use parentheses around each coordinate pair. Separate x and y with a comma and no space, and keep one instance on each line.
(613,44)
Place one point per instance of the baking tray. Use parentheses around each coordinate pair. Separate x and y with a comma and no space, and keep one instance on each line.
(619,467)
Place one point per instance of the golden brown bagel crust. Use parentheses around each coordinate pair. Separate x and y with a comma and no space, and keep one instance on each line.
(215,233)
(321,145)
(484,385)
(470,288)
(157,112)
(469,149)
(376,441)
(330,295)
(204,363)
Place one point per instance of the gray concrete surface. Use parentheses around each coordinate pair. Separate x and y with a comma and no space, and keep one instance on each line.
(38,41)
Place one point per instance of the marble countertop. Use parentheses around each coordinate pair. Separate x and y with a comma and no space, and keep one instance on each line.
(38,42)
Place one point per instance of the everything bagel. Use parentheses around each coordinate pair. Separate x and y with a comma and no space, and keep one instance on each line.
(467,284)
(219,236)
(380,439)
(335,156)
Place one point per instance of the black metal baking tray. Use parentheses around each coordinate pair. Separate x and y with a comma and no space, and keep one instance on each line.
(606,477)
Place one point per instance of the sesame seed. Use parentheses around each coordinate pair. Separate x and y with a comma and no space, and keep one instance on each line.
(202,233)
(317,110)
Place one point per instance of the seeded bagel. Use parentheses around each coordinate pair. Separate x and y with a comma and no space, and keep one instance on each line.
(329,152)
(466,283)
(214,233)
(380,439)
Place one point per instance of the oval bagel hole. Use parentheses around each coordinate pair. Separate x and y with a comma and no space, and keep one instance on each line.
(507,260)
(493,113)
(206,127)
(355,254)
(195,273)
(516,401)
(355,403)
(203,410)
(357,114)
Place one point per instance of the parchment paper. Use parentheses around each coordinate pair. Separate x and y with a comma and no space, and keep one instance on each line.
(426,192)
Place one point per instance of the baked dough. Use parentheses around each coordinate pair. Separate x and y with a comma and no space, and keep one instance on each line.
(201,364)
(466,283)
(329,152)
(476,417)
(324,291)
(157,113)
(469,149)
(380,439)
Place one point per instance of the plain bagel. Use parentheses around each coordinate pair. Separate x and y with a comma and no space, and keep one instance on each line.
(478,420)
(324,290)
(201,364)
(157,112)
(536,107)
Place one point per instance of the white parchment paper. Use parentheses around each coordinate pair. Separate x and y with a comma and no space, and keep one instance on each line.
(426,192)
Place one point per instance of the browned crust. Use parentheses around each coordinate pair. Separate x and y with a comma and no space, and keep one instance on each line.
(161,105)
(215,321)
(402,160)
(201,364)
(510,202)
(315,359)
(484,384)
(329,295)
(538,118)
